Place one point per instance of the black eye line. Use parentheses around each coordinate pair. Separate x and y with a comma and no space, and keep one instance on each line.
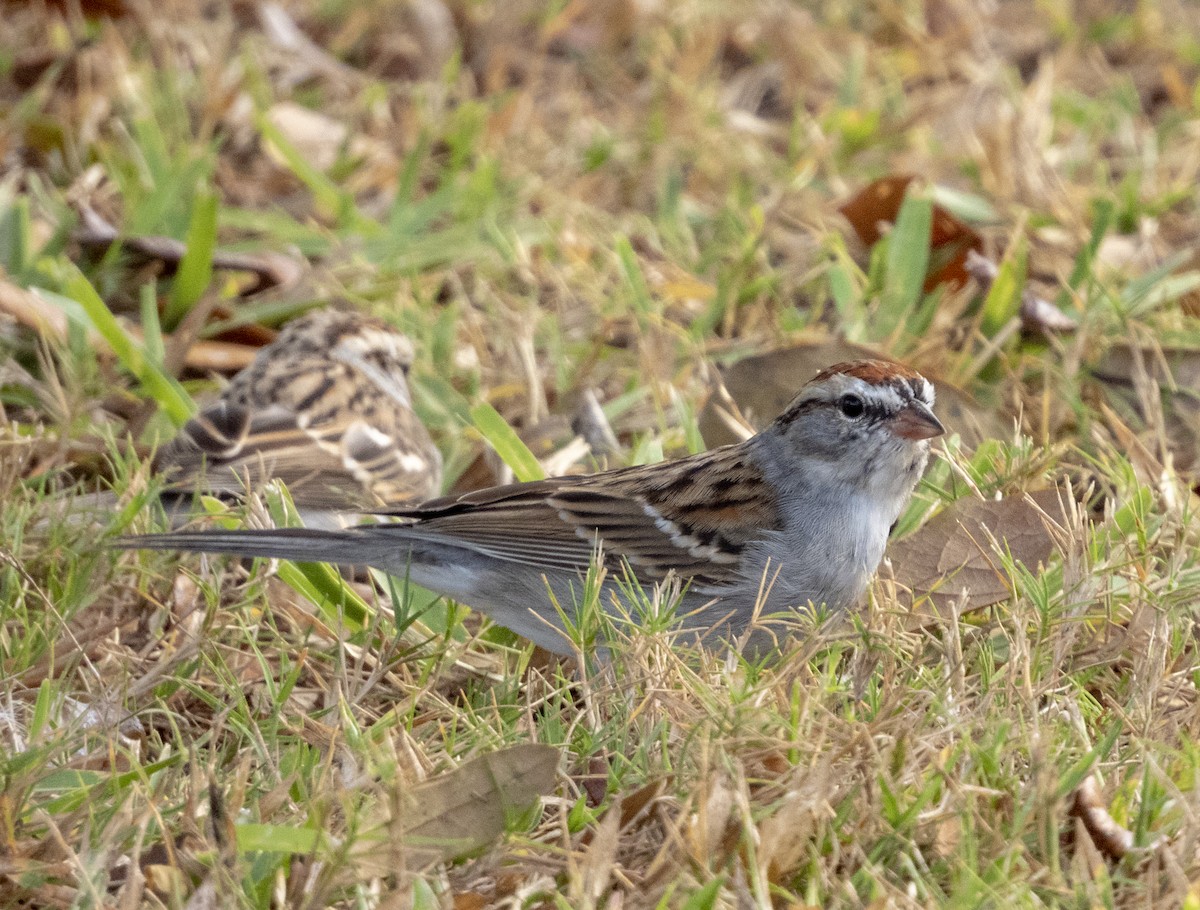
(872,411)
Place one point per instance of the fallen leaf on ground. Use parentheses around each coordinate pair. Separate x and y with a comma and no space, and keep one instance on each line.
(1169,366)
(950,239)
(460,811)
(951,559)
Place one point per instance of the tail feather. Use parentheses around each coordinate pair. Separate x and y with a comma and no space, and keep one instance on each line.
(348,547)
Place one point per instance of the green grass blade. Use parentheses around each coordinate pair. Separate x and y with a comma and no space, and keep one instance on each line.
(1004,296)
(506,442)
(16,246)
(1104,213)
(906,264)
(329,197)
(643,302)
(319,582)
(334,598)
(152,339)
(259,838)
(158,385)
(705,898)
(195,270)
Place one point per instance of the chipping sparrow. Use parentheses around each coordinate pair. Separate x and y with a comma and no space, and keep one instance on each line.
(795,516)
(325,407)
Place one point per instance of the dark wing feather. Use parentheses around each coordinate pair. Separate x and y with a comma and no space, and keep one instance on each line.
(226,445)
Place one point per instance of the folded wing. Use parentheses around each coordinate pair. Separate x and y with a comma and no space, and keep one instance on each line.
(655,520)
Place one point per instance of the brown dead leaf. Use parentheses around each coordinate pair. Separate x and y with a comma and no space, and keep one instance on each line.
(92,9)
(595,782)
(875,205)
(594,865)
(952,557)
(634,806)
(944,836)
(763,385)
(711,830)
(786,835)
(1171,367)
(460,811)
(631,809)
(950,239)
(470,900)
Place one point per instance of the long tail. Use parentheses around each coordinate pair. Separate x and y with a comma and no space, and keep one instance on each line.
(349,547)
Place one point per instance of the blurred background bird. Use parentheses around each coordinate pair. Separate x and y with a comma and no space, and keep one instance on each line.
(326,409)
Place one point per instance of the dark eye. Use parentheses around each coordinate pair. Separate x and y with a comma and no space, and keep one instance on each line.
(852,406)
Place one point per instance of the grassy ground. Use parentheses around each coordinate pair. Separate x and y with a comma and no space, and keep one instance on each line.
(619,197)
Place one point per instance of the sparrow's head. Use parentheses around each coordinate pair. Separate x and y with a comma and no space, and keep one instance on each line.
(865,423)
(367,346)
(349,337)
